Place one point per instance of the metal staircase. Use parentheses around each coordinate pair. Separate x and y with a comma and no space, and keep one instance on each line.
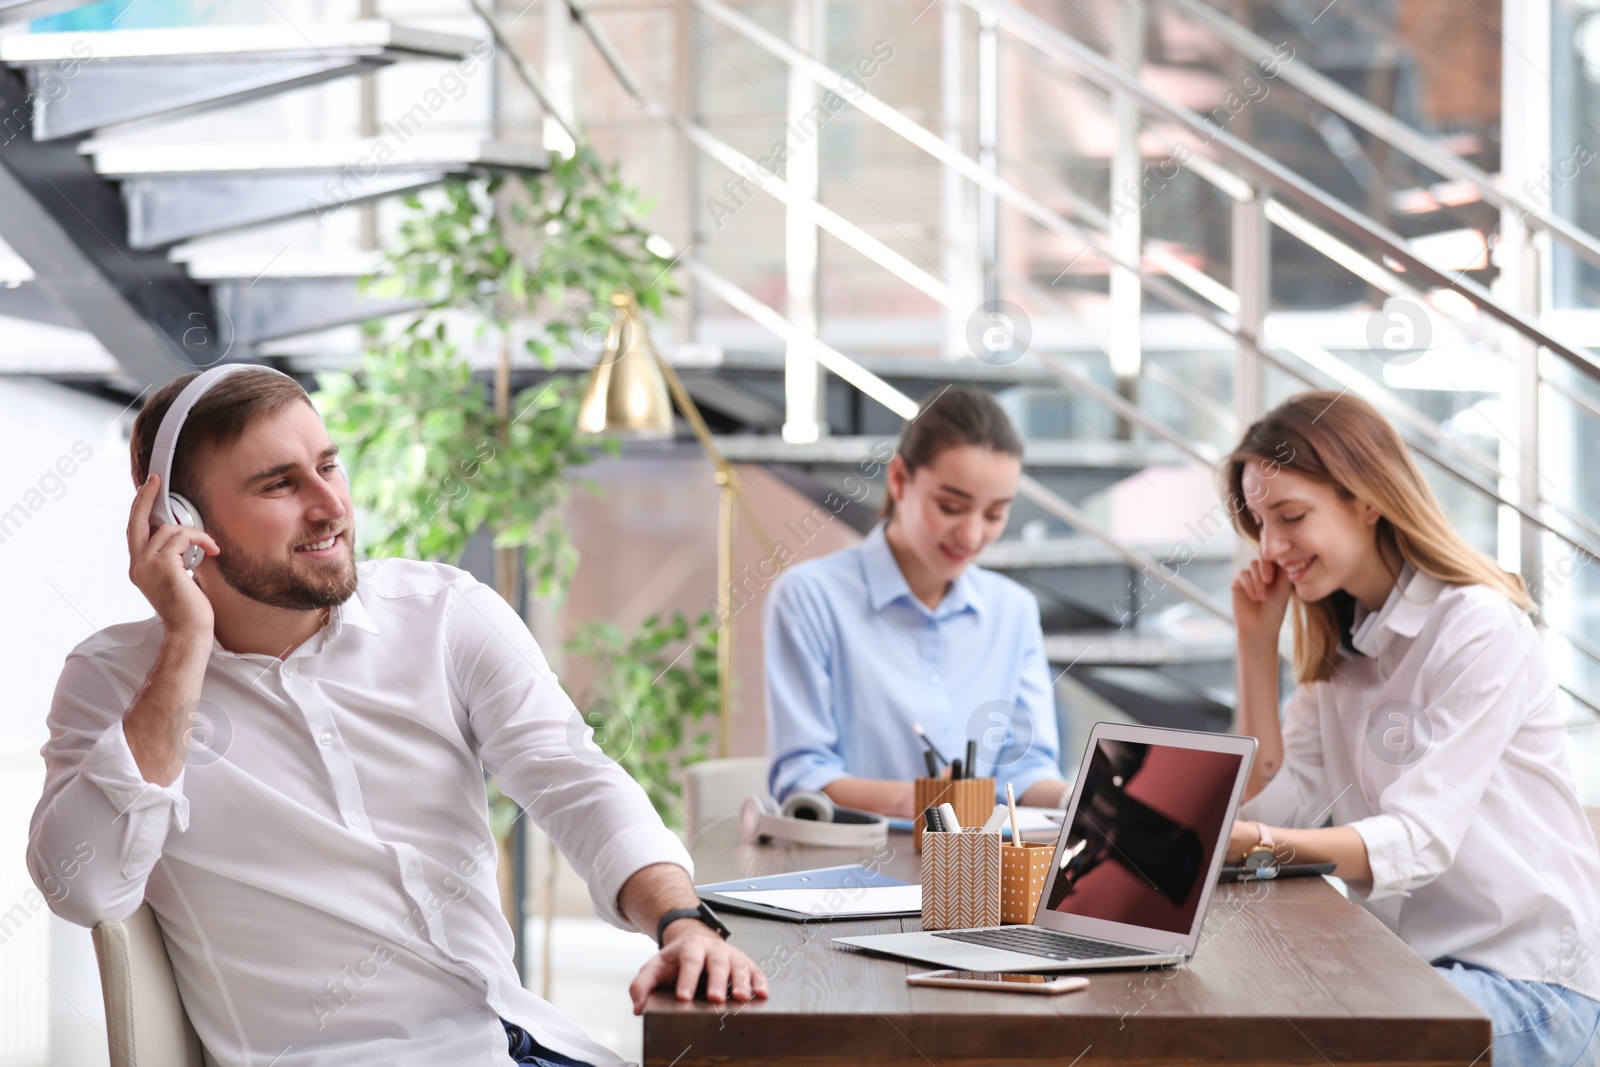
(1181,347)
(99,201)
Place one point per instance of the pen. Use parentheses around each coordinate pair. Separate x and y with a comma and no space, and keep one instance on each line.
(931,762)
(956,771)
(917,726)
(971,766)
(1011,802)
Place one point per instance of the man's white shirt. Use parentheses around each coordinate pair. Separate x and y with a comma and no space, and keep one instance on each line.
(322,868)
(1443,746)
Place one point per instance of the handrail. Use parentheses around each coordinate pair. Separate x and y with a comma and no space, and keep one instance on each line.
(906,408)
(1379,393)
(1198,451)
(898,402)
(921,137)
(1384,126)
(1217,143)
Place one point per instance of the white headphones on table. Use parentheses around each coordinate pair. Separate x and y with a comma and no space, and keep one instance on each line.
(809,819)
(173,507)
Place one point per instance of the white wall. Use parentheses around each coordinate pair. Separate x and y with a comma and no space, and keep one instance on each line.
(63,575)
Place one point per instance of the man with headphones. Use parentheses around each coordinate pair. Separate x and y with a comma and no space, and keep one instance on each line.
(287,764)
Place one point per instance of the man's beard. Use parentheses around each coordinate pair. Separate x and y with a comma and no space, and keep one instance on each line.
(276,583)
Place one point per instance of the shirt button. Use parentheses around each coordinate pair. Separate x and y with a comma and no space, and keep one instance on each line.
(288,670)
(326,738)
(354,819)
(413,870)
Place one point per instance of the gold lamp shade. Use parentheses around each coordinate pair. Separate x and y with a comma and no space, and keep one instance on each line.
(626,393)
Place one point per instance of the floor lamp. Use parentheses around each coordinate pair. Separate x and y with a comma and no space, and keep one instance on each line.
(628,395)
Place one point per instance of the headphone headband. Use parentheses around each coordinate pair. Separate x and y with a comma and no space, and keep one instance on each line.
(166,443)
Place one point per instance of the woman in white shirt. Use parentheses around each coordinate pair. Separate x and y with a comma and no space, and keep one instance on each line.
(1423,750)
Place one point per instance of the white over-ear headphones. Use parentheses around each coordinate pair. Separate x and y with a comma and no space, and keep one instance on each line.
(809,819)
(170,506)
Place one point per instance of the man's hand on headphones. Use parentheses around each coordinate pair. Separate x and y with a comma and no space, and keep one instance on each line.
(155,566)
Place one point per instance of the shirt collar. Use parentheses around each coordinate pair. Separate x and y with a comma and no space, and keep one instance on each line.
(353,613)
(1409,604)
(886,583)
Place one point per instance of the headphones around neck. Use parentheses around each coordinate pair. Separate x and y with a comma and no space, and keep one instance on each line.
(809,819)
(174,507)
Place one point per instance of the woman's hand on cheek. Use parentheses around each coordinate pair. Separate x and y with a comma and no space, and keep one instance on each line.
(1260,604)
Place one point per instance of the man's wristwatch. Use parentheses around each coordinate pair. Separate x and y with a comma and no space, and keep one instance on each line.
(703,913)
(1263,855)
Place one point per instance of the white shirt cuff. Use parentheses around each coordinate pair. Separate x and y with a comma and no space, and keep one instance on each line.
(111,766)
(628,853)
(1389,854)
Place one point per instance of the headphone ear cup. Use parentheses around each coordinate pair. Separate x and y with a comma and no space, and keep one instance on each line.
(813,807)
(750,815)
(186,514)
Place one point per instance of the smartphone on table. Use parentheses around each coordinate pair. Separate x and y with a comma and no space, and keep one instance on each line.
(1014,982)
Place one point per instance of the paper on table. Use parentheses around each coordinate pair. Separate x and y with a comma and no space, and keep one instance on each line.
(876,900)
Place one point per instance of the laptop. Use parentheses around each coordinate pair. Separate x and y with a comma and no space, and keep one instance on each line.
(1134,865)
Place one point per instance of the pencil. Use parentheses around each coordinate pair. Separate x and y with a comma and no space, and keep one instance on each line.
(1011,802)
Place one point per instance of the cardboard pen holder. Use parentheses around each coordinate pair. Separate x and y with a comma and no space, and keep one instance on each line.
(960,880)
(1022,877)
(973,799)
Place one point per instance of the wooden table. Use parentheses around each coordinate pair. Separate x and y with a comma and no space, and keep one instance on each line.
(1286,973)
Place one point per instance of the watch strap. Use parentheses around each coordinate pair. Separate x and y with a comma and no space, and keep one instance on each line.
(703,913)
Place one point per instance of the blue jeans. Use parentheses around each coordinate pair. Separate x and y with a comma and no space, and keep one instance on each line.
(1535,1024)
(525,1050)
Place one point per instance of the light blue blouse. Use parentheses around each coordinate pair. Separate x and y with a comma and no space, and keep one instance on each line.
(854,658)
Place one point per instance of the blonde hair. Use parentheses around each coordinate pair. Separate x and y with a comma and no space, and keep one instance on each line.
(1342,441)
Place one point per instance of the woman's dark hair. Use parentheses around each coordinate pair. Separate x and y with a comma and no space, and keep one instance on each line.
(954,416)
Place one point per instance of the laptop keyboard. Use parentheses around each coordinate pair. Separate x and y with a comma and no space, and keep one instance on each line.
(1038,942)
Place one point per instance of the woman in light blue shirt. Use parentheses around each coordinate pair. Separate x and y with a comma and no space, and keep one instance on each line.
(902,629)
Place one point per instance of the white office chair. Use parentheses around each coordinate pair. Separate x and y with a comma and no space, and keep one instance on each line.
(146,1025)
(713,790)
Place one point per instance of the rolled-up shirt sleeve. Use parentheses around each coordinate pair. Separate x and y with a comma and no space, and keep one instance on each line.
(1426,811)
(1298,793)
(803,738)
(1032,752)
(532,737)
(100,827)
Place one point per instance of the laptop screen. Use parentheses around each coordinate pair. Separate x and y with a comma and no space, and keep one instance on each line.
(1148,821)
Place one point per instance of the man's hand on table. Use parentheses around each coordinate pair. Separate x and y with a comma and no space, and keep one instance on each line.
(692,949)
